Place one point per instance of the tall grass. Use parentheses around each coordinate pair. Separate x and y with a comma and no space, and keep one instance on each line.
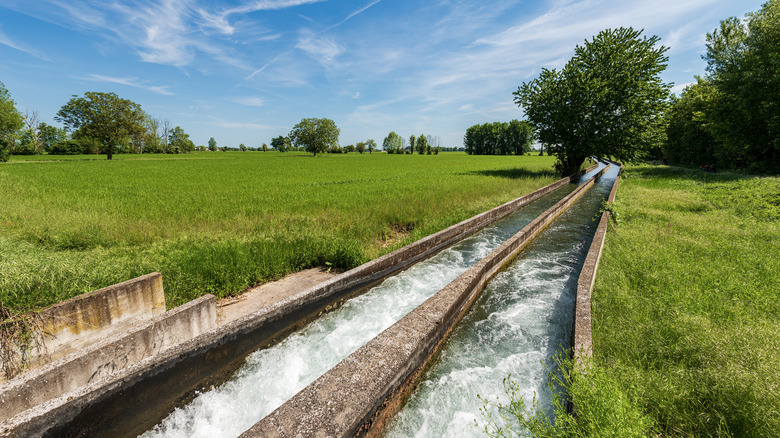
(686,302)
(221,222)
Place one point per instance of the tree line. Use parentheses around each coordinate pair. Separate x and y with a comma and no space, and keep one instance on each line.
(731,116)
(499,138)
(422,144)
(96,123)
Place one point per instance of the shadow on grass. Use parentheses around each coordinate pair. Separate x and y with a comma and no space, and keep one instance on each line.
(685,173)
(514,173)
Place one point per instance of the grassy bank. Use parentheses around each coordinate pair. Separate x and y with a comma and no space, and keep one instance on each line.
(221,222)
(687,301)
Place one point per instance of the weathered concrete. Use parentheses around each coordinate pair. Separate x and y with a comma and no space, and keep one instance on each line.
(582,335)
(101,360)
(75,323)
(358,395)
(139,396)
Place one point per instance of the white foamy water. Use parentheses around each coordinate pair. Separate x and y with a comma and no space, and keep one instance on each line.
(272,376)
(523,318)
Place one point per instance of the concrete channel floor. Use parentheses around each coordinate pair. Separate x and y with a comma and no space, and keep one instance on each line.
(232,308)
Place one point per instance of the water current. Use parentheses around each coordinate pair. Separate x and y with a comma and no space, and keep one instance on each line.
(271,376)
(523,318)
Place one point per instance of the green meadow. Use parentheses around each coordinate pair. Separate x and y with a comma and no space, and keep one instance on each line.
(687,302)
(220,222)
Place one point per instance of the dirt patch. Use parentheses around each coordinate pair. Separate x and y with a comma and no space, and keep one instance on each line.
(230,309)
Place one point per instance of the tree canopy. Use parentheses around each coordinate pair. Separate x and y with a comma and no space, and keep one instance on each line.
(10,122)
(606,101)
(315,135)
(499,138)
(104,117)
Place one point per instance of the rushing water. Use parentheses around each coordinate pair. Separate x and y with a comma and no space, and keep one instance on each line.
(523,318)
(271,376)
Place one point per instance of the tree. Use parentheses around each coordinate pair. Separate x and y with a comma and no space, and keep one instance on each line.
(360,146)
(412,143)
(687,138)
(606,101)
(265,147)
(392,143)
(370,145)
(104,117)
(315,135)
(179,141)
(282,144)
(242,147)
(51,135)
(745,73)
(10,123)
(212,144)
(422,144)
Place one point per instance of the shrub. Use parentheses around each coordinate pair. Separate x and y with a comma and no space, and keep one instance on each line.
(66,147)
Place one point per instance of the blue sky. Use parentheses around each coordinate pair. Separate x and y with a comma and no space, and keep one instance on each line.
(247,71)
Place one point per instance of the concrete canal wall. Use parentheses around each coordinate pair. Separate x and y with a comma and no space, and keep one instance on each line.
(358,396)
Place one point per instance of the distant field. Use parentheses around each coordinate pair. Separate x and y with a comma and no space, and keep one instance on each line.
(687,301)
(219,222)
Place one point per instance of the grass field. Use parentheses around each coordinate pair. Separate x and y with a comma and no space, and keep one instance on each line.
(221,222)
(687,301)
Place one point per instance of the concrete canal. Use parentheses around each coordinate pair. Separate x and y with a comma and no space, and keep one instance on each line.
(522,319)
(271,376)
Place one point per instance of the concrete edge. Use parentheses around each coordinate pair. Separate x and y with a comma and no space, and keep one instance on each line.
(94,313)
(363,391)
(155,385)
(102,359)
(582,335)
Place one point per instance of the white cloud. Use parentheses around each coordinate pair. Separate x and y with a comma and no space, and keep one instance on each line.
(130,82)
(247,100)
(323,49)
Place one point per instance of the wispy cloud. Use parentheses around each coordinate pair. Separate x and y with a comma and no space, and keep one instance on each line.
(323,49)
(130,82)
(248,100)
(6,41)
(353,14)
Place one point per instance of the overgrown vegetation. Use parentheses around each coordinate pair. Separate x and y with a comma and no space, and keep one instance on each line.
(20,334)
(604,409)
(219,223)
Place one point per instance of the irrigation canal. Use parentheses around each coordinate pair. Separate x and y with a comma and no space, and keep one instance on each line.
(523,317)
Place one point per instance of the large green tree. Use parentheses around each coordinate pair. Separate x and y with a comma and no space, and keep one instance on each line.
(744,66)
(10,123)
(606,101)
(105,117)
(212,144)
(179,142)
(282,144)
(392,143)
(315,135)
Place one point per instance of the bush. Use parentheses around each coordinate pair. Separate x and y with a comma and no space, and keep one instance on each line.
(66,147)
(5,150)
(24,149)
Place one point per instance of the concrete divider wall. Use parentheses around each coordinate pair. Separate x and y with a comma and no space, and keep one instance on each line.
(142,394)
(92,314)
(582,336)
(363,391)
(102,359)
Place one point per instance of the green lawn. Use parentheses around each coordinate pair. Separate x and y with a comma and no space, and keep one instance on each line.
(219,222)
(687,301)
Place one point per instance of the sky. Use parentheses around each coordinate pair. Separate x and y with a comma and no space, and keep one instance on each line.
(245,71)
